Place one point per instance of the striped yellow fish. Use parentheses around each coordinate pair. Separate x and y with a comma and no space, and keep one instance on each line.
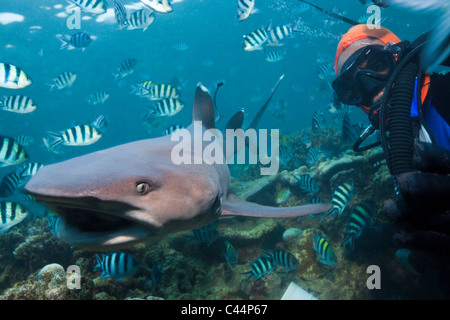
(282,196)
(324,250)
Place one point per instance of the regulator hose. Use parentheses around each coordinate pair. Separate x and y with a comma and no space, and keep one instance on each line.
(396,110)
(363,136)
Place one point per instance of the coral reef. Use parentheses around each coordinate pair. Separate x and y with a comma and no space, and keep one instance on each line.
(292,236)
(52,275)
(48,284)
(34,261)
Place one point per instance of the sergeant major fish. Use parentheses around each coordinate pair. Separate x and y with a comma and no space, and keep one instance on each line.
(120,13)
(29,169)
(245,8)
(12,77)
(9,184)
(24,140)
(157,273)
(159,91)
(307,184)
(206,234)
(318,120)
(116,265)
(282,258)
(172,129)
(165,108)
(18,177)
(255,39)
(350,132)
(140,19)
(276,34)
(92,6)
(126,68)
(274,56)
(285,154)
(260,267)
(325,71)
(64,80)
(11,213)
(80,135)
(314,154)
(18,104)
(79,40)
(360,217)
(162,6)
(342,195)
(11,152)
(181,46)
(98,97)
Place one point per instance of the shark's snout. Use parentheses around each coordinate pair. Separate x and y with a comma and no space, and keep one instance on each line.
(92,212)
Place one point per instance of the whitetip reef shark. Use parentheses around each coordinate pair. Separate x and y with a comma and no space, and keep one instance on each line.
(131,193)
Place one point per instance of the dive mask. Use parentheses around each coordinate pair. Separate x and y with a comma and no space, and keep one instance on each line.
(364,74)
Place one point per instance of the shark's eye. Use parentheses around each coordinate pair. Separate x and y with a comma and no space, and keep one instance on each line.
(143,188)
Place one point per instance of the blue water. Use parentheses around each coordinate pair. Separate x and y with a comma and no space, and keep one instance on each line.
(214,38)
(213,35)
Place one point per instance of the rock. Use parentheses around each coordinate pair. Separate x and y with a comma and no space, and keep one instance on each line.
(248,231)
(52,275)
(250,190)
(292,236)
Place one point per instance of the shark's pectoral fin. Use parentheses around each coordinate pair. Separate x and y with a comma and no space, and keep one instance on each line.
(233,206)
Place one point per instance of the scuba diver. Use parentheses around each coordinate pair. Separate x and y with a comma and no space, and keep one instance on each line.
(382,75)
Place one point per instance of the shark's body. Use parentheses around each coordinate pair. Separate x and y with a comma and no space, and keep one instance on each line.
(133,192)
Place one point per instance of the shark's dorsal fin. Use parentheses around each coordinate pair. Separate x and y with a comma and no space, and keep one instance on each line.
(203,109)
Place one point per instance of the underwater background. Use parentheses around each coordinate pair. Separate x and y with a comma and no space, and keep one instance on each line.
(201,41)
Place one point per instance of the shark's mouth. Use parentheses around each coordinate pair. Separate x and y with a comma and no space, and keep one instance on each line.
(88,221)
(95,229)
